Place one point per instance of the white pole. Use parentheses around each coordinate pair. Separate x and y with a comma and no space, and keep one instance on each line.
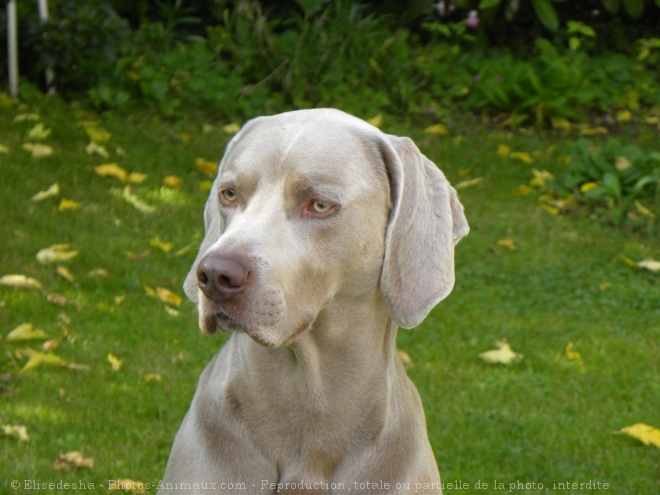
(12,47)
(50,74)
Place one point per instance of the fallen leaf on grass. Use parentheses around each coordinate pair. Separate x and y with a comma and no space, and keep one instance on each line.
(376,120)
(72,460)
(96,149)
(231,128)
(152,377)
(644,433)
(206,167)
(4,149)
(171,311)
(27,117)
(468,183)
(136,202)
(437,129)
(99,272)
(205,185)
(43,359)
(39,132)
(38,150)
(26,331)
(20,282)
(571,354)
(112,170)
(58,299)
(55,254)
(405,357)
(51,192)
(64,272)
(168,297)
(68,204)
(17,431)
(522,156)
(172,181)
(643,210)
(95,132)
(507,243)
(137,177)
(503,150)
(115,362)
(502,355)
(649,264)
(541,178)
(127,485)
(50,345)
(158,243)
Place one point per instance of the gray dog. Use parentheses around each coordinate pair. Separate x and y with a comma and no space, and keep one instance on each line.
(323,235)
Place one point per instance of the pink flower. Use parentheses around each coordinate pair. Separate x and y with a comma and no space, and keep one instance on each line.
(473,19)
(440,8)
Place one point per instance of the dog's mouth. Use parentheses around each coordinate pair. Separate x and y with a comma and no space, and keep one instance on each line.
(219,319)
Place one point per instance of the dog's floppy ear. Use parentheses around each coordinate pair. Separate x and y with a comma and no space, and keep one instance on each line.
(426,221)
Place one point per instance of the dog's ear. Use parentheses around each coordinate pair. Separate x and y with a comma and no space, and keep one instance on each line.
(426,221)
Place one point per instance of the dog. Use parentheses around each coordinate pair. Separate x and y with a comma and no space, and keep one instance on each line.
(323,235)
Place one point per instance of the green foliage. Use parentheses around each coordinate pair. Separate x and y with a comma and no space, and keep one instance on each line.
(621,180)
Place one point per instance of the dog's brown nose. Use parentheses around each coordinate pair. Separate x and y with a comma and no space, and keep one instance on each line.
(220,278)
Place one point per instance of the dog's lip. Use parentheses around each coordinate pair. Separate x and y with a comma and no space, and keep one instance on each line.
(219,318)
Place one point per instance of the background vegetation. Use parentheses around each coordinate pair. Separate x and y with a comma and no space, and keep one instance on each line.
(546,116)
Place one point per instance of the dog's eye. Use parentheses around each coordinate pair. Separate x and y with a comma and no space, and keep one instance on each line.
(228,194)
(321,206)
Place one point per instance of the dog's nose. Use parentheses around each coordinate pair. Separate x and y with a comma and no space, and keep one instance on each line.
(220,278)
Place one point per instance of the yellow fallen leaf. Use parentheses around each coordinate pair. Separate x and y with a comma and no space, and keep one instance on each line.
(405,357)
(231,128)
(136,202)
(152,377)
(553,210)
(593,131)
(99,272)
(96,149)
(643,210)
(650,264)
(58,299)
(172,181)
(438,129)
(38,150)
(622,163)
(4,149)
(112,170)
(120,299)
(376,120)
(68,204)
(205,185)
(168,297)
(149,291)
(39,132)
(507,243)
(50,345)
(97,134)
(120,151)
(207,128)
(72,460)
(20,282)
(17,431)
(51,192)
(522,156)
(644,433)
(43,359)
(588,186)
(561,123)
(184,250)
(468,183)
(571,354)
(127,485)
(115,362)
(503,150)
(206,167)
(25,331)
(171,311)
(27,117)
(524,190)
(502,355)
(623,116)
(64,272)
(55,254)
(604,286)
(541,178)
(158,243)
(136,178)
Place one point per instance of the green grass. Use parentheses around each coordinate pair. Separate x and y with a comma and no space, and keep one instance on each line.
(546,420)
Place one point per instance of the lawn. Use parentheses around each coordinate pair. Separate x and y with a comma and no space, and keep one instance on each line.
(543,282)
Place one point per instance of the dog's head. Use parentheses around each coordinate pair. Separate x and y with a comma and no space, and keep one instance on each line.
(315,205)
